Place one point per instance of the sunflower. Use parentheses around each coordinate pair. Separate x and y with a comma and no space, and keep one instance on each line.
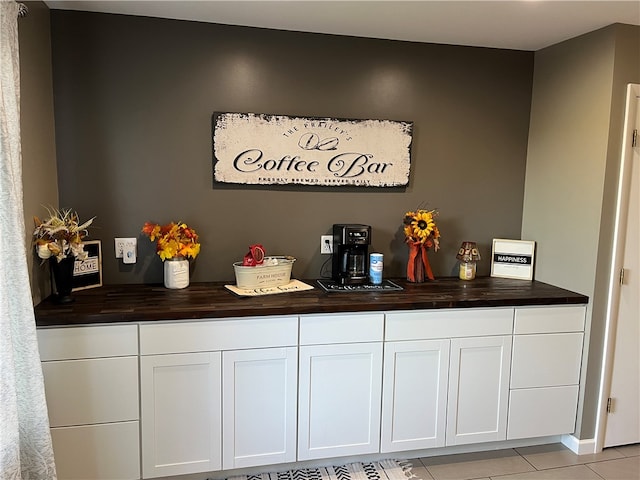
(420,227)
(422,224)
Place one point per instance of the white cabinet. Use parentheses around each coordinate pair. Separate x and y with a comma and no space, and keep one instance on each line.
(545,374)
(414,395)
(452,386)
(217,394)
(340,384)
(91,385)
(180,413)
(478,389)
(259,405)
(245,392)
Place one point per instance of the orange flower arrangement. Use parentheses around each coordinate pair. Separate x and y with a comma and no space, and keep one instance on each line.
(173,240)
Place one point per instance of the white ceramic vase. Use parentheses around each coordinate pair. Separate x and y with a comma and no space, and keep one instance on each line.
(176,273)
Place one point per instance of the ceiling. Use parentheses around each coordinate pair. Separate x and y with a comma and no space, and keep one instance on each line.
(518,25)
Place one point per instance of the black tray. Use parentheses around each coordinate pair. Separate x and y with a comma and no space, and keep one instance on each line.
(385,286)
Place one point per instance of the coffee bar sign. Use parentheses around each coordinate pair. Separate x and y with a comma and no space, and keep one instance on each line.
(262,149)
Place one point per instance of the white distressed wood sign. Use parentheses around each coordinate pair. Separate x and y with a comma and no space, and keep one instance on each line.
(263,149)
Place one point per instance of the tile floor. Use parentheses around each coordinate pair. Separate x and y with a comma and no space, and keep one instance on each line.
(543,462)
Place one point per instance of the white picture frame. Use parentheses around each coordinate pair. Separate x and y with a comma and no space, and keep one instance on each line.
(512,258)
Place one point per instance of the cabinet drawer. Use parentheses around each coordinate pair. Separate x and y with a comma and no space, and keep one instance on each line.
(98,452)
(549,319)
(546,360)
(425,325)
(345,328)
(71,343)
(91,391)
(213,335)
(538,412)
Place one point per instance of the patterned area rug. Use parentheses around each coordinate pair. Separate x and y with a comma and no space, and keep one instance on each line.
(382,470)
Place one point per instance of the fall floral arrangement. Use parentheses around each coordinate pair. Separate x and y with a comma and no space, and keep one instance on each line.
(421,234)
(420,227)
(173,240)
(60,235)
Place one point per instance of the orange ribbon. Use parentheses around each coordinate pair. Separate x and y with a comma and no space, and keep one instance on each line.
(417,267)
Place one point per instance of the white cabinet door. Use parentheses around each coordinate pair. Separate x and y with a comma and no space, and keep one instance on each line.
(414,395)
(259,405)
(180,413)
(339,400)
(478,389)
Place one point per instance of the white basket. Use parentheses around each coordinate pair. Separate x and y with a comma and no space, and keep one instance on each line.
(274,272)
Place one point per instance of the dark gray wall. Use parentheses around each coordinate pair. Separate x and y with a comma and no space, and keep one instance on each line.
(133,104)
(39,177)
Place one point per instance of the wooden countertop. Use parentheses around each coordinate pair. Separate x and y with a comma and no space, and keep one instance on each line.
(142,303)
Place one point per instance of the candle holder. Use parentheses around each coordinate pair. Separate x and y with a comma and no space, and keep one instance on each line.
(468,255)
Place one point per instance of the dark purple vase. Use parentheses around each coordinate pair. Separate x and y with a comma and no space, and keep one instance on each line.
(63,278)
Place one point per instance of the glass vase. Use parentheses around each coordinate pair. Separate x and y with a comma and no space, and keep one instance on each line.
(62,272)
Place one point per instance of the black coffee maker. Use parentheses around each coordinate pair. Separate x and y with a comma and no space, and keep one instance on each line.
(351,253)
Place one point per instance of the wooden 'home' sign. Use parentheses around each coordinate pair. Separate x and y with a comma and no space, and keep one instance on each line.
(262,149)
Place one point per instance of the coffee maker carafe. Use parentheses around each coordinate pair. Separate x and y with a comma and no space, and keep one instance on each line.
(350,253)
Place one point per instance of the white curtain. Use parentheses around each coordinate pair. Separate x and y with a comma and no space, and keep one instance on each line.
(25,441)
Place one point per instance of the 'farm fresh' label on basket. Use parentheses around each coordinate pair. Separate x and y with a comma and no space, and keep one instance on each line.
(271,276)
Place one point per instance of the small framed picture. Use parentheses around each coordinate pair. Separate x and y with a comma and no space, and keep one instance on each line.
(512,258)
(87,273)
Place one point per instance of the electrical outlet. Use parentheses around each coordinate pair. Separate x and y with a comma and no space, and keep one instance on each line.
(326,244)
(126,249)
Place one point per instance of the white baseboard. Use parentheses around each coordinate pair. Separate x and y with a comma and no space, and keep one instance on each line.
(580,447)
